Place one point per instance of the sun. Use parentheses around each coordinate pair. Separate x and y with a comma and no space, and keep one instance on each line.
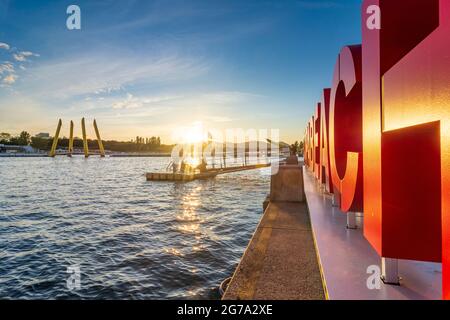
(192,134)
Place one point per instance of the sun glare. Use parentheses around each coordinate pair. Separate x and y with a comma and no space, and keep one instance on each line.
(193,162)
(190,134)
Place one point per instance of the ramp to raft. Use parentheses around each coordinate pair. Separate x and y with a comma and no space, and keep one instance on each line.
(211,173)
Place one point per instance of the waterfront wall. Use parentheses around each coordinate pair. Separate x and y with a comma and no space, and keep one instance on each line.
(280,261)
(287,184)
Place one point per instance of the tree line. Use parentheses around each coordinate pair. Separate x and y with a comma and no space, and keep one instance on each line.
(24,139)
(152,144)
(297,148)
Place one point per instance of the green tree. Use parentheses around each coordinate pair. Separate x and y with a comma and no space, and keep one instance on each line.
(295,148)
(24,139)
(4,137)
(40,143)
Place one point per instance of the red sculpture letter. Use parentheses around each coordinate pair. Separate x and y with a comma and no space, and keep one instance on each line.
(325,171)
(406,74)
(317,141)
(345,130)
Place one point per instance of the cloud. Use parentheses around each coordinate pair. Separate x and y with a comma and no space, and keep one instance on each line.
(204,100)
(6,67)
(108,90)
(10,79)
(28,53)
(19,57)
(10,70)
(228,97)
(105,73)
(4,46)
(23,55)
(162,12)
(132,102)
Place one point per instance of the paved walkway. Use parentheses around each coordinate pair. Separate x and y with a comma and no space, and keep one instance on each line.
(280,262)
(346,255)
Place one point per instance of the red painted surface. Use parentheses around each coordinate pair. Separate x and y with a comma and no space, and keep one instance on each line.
(345,130)
(311,143)
(309,147)
(419,86)
(411,195)
(325,170)
(317,141)
(306,147)
(401,31)
(387,132)
(406,76)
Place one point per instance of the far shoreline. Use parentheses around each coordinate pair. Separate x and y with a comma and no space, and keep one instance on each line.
(114,155)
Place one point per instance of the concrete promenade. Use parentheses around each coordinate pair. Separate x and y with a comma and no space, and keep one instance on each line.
(302,250)
(280,261)
(346,256)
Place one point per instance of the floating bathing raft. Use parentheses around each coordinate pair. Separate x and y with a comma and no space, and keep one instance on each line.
(211,173)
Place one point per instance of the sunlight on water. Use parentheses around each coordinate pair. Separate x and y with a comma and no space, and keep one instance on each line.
(130,238)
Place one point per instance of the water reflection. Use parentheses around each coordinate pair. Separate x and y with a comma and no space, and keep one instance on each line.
(131,238)
(173,251)
(189,219)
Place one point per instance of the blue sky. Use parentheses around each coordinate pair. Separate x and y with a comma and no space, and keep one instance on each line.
(148,67)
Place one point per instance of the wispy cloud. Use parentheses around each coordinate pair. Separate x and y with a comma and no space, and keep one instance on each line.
(8,69)
(163,12)
(132,102)
(7,74)
(210,107)
(4,46)
(9,79)
(108,90)
(228,97)
(23,55)
(142,66)
(105,73)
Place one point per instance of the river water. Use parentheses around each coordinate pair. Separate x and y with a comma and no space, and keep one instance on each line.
(129,238)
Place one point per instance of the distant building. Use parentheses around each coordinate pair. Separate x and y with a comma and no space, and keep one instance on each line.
(285,149)
(43,135)
(16,149)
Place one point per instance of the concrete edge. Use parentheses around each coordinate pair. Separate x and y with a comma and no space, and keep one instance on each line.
(319,262)
(247,248)
(255,233)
